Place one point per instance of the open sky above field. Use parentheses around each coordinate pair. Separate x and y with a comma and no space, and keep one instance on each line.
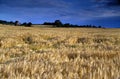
(96,12)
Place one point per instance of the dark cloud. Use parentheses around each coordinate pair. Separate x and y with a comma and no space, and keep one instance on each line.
(114,3)
(108,2)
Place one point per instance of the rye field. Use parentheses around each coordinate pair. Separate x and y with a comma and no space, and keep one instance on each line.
(59,53)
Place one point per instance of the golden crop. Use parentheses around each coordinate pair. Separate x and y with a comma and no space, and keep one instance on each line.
(59,53)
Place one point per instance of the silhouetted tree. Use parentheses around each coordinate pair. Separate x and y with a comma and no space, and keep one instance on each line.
(29,24)
(58,23)
(17,23)
(94,26)
(3,22)
(67,25)
(48,23)
(99,26)
(11,23)
(24,24)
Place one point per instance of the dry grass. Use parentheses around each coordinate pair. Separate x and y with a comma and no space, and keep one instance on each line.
(59,53)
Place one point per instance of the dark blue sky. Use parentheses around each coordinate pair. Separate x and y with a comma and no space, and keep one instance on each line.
(96,12)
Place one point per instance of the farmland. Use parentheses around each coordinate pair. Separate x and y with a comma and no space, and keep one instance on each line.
(59,53)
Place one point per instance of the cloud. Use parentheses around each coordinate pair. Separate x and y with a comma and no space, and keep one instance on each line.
(34,3)
(114,3)
(108,2)
(91,13)
(65,10)
(101,9)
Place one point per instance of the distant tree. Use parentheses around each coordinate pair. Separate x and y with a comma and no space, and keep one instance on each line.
(99,26)
(45,23)
(11,23)
(29,24)
(48,23)
(90,26)
(58,23)
(3,22)
(67,25)
(94,26)
(24,24)
(17,23)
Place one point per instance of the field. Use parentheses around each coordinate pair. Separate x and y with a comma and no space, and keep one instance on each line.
(59,53)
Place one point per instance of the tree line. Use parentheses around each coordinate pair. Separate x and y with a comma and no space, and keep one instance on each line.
(56,23)
(16,23)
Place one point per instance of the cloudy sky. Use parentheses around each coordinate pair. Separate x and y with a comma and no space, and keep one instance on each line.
(96,12)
